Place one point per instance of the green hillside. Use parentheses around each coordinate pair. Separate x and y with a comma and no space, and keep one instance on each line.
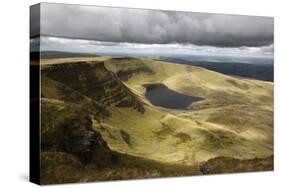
(105,97)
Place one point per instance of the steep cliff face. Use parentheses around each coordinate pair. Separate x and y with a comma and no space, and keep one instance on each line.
(93,80)
(127,67)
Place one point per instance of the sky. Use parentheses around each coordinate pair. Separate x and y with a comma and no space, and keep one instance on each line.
(119,30)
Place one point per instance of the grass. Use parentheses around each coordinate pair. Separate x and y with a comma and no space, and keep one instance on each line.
(235,119)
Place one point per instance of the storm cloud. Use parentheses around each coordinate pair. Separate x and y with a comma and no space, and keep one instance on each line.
(154,27)
(124,48)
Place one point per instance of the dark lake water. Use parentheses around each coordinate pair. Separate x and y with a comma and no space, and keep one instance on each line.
(160,95)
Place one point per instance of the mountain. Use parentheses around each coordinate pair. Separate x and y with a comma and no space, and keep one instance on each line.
(98,124)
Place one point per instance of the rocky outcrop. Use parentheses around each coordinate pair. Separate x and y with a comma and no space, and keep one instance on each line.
(231,165)
(70,130)
(92,79)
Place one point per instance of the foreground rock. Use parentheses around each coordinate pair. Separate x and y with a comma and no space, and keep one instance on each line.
(230,165)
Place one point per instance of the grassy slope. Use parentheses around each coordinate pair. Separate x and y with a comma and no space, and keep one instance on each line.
(235,119)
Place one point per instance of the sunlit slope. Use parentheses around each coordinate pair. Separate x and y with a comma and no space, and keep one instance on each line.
(235,119)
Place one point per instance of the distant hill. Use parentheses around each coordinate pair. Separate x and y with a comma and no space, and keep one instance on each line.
(254,71)
(58,54)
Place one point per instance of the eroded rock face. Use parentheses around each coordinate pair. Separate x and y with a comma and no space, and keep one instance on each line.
(71,132)
(92,79)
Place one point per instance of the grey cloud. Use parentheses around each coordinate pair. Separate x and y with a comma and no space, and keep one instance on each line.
(34,20)
(159,27)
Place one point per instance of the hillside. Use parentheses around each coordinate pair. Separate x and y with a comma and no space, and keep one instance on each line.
(233,118)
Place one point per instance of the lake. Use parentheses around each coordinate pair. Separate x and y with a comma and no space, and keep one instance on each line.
(160,95)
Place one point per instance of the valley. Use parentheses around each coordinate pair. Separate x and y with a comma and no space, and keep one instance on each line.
(132,117)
